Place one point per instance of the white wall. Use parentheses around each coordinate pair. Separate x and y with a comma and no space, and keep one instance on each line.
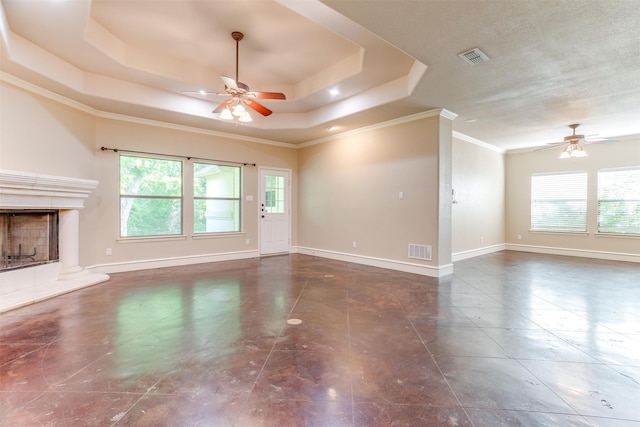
(478,216)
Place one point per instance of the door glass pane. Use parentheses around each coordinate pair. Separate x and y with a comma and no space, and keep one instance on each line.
(274,194)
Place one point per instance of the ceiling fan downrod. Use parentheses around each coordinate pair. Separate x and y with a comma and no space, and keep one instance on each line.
(237,36)
(573,138)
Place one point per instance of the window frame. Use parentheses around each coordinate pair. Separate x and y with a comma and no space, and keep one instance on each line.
(179,198)
(238,199)
(624,231)
(537,208)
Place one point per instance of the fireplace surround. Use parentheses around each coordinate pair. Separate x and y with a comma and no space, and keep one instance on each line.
(61,198)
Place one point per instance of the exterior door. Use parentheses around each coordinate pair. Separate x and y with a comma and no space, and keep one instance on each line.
(274,211)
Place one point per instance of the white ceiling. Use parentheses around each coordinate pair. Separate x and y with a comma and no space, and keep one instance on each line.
(553,63)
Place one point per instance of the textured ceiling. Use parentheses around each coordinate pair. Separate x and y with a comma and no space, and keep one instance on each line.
(551,63)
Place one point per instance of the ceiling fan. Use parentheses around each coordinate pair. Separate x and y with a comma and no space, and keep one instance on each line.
(240,95)
(574,144)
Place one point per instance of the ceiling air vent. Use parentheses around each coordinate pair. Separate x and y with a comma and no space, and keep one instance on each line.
(474,56)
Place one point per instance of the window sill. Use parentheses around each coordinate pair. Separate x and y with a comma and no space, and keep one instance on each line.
(564,233)
(618,235)
(200,236)
(151,239)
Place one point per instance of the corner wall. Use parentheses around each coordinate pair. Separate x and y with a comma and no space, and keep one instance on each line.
(521,165)
(478,213)
(365,197)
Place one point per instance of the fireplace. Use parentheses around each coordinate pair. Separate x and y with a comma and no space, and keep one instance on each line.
(28,238)
(40,237)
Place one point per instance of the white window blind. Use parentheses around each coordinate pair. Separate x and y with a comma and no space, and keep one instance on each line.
(559,202)
(619,201)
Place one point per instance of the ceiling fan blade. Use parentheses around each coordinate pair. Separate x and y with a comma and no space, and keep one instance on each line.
(267,95)
(258,107)
(222,105)
(550,146)
(229,82)
(202,93)
(243,86)
(600,141)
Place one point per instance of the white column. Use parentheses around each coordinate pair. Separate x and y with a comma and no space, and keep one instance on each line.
(69,245)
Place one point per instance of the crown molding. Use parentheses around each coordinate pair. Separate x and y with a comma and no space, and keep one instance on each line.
(410,118)
(14,81)
(478,142)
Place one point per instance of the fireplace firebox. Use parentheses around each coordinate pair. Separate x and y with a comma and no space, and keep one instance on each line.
(28,238)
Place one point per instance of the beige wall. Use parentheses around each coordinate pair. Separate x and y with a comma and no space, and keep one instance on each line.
(43,136)
(39,135)
(139,137)
(344,190)
(349,191)
(520,167)
(479,181)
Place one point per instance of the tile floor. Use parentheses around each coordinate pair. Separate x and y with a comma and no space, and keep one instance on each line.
(511,339)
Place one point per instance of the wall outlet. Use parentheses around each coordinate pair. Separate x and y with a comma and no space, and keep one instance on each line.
(481,239)
(519,237)
(248,241)
(355,244)
(108,251)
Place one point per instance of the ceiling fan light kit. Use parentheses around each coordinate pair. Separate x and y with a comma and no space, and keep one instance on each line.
(573,150)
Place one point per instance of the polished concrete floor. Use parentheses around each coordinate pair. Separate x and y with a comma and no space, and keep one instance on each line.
(511,339)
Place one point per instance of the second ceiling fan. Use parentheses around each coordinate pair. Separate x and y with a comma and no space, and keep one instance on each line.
(573,144)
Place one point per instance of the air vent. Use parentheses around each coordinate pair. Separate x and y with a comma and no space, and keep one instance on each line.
(420,251)
(474,56)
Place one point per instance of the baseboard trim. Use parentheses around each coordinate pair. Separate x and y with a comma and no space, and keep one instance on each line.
(459,256)
(407,267)
(171,262)
(610,256)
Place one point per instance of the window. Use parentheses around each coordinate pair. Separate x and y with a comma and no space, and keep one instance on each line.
(150,196)
(216,198)
(559,202)
(619,201)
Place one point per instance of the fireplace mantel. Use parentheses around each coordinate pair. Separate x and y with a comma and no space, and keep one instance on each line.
(24,191)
